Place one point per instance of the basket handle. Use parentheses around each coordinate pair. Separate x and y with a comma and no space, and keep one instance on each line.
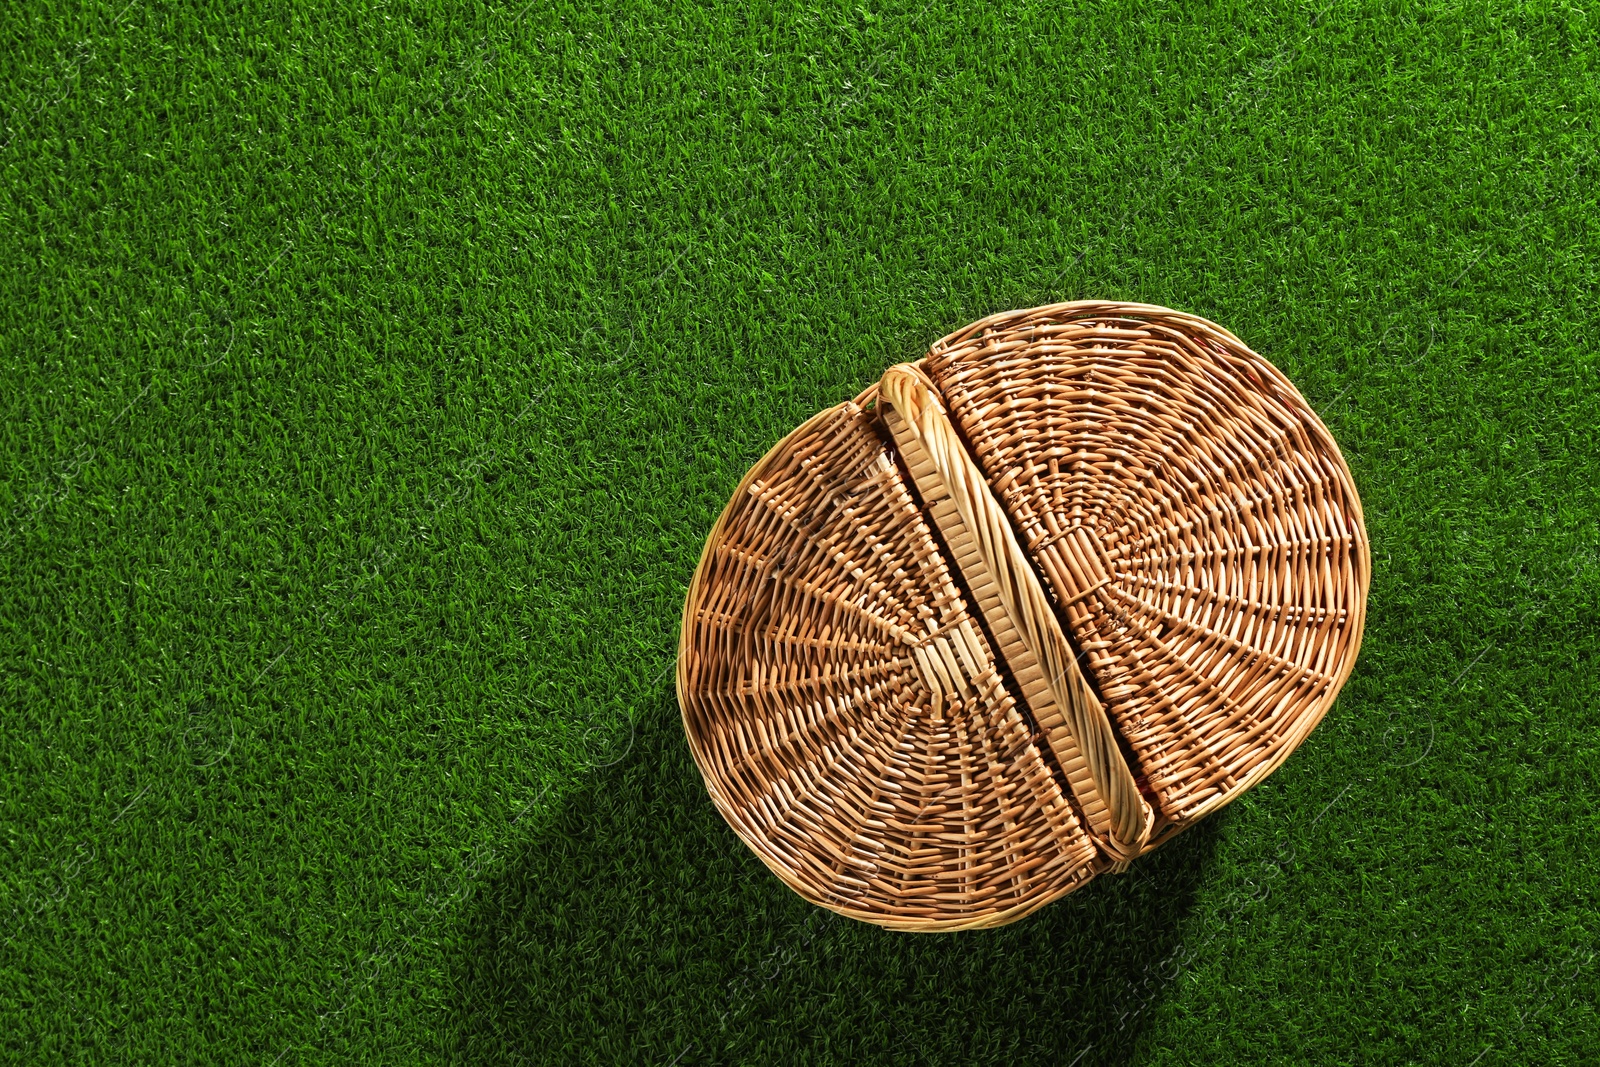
(922,417)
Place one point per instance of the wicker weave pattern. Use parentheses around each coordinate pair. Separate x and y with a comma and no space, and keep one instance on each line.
(1175,488)
(845,708)
(1020,613)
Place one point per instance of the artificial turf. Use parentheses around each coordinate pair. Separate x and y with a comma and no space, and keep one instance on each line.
(372,373)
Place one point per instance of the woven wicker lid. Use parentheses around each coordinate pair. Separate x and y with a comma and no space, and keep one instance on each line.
(1020,613)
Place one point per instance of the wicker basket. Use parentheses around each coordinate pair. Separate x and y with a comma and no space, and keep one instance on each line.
(1019,613)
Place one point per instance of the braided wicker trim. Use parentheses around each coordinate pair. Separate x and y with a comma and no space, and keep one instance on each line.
(1021,606)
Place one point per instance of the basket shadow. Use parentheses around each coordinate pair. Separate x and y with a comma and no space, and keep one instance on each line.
(634,927)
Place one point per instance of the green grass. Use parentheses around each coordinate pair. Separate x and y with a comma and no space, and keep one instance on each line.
(371,375)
